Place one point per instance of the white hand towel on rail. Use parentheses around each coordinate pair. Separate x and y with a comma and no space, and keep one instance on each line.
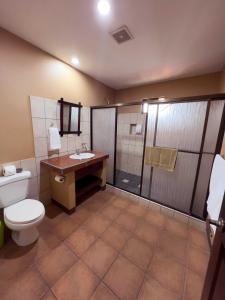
(216,188)
(54,142)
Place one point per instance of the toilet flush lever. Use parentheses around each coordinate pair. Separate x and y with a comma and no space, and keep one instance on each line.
(218,223)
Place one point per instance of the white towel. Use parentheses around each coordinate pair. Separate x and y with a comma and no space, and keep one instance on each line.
(9,170)
(216,188)
(138,128)
(54,142)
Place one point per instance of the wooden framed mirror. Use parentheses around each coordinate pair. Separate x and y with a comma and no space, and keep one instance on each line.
(69,117)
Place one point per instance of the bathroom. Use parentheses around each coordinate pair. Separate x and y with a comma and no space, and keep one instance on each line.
(112,166)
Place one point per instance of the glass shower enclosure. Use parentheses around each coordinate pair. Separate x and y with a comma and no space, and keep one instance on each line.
(193,127)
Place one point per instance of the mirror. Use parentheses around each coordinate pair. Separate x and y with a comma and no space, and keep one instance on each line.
(69,117)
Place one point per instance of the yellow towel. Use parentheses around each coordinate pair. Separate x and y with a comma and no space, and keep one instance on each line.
(163,158)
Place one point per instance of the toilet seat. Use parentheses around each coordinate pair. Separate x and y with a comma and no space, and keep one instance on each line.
(24,212)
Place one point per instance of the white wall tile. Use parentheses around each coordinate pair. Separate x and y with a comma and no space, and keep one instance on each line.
(85,127)
(78,142)
(52,154)
(167,211)
(40,169)
(181,217)
(49,123)
(39,129)
(37,107)
(50,109)
(58,124)
(32,187)
(40,147)
(197,224)
(64,144)
(86,139)
(154,206)
(58,111)
(71,143)
(63,153)
(85,114)
(30,165)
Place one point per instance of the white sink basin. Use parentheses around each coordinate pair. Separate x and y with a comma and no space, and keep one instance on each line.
(82,156)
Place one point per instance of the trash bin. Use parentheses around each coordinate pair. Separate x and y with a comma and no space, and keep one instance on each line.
(1,233)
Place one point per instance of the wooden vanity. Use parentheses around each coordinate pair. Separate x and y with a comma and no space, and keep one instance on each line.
(79,176)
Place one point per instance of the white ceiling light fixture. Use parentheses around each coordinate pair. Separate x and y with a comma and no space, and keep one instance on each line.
(144,107)
(162,98)
(75,61)
(104,7)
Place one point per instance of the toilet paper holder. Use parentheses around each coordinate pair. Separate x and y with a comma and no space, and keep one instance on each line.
(59,178)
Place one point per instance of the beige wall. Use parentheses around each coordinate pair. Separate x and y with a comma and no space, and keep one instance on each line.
(26,70)
(222,84)
(199,85)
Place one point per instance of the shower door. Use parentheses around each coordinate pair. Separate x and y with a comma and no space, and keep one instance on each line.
(188,127)
(103,135)
(129,148)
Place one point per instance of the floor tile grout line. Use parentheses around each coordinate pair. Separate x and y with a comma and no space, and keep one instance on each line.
(117,256)
(121,253)
(37,269)
(51,288)
(142,283)
(46,283)
(148,273)
(93,271)
(185,282)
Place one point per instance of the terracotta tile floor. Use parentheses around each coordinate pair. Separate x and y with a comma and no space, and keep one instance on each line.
(110,248)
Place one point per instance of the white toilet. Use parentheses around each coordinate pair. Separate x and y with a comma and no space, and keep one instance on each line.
(21,215)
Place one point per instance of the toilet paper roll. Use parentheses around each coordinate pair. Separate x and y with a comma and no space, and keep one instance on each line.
(59,178)
(9,170)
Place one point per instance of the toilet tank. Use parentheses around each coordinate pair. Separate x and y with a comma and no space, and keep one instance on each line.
(14,188)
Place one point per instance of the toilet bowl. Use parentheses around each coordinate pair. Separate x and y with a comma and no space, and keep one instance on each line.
(21,215)
(22,218)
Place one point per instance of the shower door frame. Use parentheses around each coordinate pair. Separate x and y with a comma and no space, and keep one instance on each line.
(115,137)
(154,101)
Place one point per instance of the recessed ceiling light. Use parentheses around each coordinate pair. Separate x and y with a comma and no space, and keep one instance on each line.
(104,7)
(162,98)
(75,61)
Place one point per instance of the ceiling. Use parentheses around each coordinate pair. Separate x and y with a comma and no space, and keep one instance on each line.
(172,38)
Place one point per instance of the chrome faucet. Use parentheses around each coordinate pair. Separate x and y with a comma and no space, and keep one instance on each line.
(78,151)
(84,146)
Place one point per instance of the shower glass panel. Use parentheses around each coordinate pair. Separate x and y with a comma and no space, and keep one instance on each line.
(180,126)
(209,148)
(214,120)
(202,184)
(103,136)
(129,148)
(175,189)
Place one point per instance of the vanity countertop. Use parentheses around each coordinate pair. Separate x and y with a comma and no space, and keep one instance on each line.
(65,164)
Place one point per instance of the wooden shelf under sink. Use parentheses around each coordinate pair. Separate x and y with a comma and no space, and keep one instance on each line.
(87,183)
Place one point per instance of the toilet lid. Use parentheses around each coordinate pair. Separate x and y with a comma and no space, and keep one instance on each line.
(24,211)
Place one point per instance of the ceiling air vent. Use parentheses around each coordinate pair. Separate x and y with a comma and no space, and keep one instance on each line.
(122,35)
